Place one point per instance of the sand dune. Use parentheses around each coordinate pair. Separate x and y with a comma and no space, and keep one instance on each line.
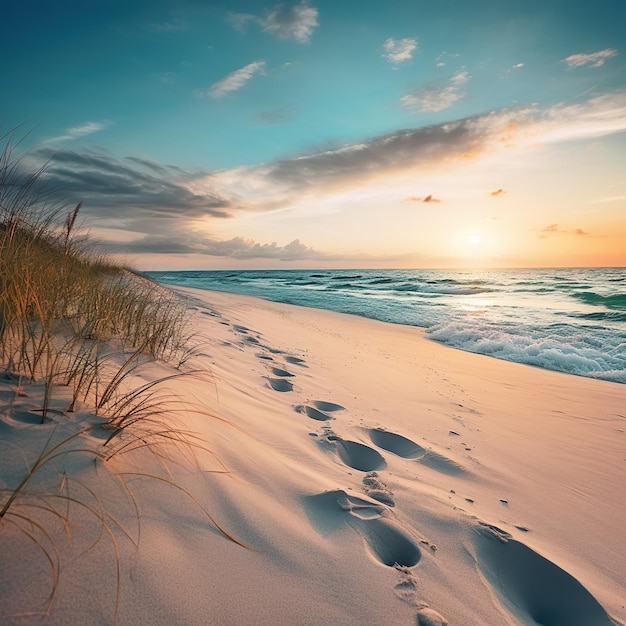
(373,477)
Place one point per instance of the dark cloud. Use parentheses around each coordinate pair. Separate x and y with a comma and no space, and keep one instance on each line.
(129,189)
(497,192)
(395,151)
(236,248)
(428,198)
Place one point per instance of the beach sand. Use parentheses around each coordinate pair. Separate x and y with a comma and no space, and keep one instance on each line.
(373,476)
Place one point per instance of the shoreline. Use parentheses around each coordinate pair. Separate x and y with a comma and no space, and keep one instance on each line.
(374,476)
(514,418)
(531,319)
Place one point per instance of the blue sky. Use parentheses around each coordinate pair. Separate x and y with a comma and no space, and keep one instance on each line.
(253,134)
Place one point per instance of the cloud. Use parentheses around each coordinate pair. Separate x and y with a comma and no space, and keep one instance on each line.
(429,198)
(78,131)
(554,228)
(240,21)
(190,242)
(235,80)
(594,59)
(507,72)
(285,182)
(434,97)
(295,22)
(172,26)
(291,22)
(399,50)
(146,197)
(444,56)
(497,192)
(129,193)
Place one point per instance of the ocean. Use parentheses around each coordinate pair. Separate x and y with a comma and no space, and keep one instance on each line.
(568,320)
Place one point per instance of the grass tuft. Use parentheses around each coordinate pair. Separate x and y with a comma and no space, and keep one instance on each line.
(72,320)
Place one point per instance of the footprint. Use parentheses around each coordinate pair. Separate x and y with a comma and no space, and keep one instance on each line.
(327,406)
(405,448)
(388,542)
(253,340)
(280,384)
(265,357)
(359,456)
(377,489)
(313,413)
(397,444)
(240,329)
(531,586)
(279,372)
(294,360)
(428,617)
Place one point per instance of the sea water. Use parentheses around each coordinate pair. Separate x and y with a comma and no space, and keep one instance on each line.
(569,320)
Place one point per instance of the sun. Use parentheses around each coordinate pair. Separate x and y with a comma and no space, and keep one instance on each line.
(475,239)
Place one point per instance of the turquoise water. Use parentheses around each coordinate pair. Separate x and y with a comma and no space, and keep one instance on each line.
(569,320)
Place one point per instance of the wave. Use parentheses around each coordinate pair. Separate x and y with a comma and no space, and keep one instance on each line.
(382,281)
(563,353)
(615,301)
(611,316)
(574,323)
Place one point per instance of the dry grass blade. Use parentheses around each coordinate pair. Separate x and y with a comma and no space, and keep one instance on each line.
(70,317)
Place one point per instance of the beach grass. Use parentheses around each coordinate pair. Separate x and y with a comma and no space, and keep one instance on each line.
(70,319)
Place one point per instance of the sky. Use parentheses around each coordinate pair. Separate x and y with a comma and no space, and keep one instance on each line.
(328,133)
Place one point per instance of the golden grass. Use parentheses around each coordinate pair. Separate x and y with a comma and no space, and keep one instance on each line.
(69,318)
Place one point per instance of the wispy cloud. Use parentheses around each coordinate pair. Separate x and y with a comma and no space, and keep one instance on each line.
(610,199)
(240,21)
(435,97)
(235,80)
(78,131)
(167,78)
(593,59)
(552,228)
(497,192)
(170,26)
(555,229)
(442,58)
(146,197)
(509,70)
(398,51)
(295,22)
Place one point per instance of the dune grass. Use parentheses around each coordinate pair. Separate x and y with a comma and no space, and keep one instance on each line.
(71,319)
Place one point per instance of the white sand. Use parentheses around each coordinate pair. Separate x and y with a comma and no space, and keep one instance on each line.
(498,488)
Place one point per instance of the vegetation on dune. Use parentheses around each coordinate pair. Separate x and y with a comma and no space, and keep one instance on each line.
(72,320)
